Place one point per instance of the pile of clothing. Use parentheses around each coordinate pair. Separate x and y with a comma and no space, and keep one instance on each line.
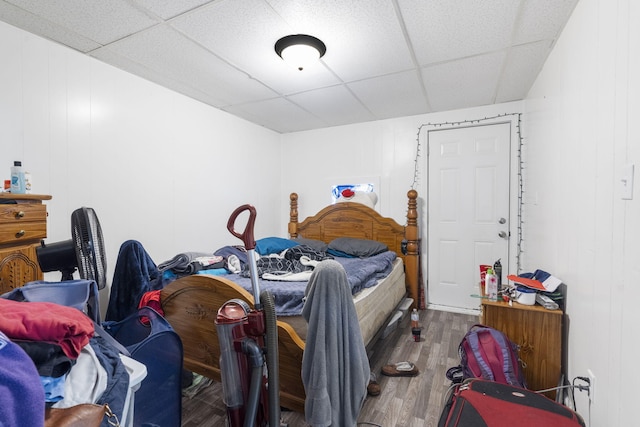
(57,338)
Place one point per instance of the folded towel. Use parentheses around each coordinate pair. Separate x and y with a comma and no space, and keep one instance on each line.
(181,263)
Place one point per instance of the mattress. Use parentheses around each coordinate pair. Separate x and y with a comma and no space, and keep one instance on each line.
(373,305)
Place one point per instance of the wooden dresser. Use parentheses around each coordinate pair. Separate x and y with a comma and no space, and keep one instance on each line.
(538,332)
(23,225)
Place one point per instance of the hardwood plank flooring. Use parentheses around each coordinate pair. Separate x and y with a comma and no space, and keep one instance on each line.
(403,401)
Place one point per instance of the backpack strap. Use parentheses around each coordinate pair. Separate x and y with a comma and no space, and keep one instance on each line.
(492,344)
(509,358)
(477,365)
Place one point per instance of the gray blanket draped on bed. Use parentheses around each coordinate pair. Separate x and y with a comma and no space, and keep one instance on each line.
(335,367)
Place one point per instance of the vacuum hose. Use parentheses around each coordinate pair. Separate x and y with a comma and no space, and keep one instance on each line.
(256,361)
(273,363)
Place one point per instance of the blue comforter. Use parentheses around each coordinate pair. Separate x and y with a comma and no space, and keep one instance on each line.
(362,273)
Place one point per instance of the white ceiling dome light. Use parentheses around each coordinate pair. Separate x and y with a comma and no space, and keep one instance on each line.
(300,50)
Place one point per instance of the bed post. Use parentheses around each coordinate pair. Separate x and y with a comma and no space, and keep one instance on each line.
(412,257)
(293,215)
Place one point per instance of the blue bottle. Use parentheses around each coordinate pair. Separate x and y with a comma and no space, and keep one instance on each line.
(17,179)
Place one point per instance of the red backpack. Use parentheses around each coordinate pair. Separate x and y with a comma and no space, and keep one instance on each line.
(487,353)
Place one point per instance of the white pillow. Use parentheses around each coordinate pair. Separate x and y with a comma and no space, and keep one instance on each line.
(365,198)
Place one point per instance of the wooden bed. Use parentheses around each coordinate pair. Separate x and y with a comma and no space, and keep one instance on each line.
(190,304)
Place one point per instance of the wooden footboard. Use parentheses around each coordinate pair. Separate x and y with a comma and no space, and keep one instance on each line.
(191,304)
(290,348)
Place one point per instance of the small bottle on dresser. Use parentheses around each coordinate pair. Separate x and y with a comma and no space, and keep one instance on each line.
(491,285)
(27,182)
(17,178)
(497,270)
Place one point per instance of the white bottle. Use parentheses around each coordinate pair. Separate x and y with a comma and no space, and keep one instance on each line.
(491,285)
(17,178)
(415,319)
(27,183)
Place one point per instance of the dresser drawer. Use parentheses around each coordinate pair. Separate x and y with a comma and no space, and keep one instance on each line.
(22,232)
(18,213)
(22,222)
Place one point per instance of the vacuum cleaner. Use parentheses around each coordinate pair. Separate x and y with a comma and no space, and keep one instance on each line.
(250,383)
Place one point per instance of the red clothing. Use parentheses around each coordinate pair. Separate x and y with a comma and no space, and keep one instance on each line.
(68,327)
(151,299)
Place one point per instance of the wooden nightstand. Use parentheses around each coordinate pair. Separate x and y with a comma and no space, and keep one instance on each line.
(23,225)
(538,332)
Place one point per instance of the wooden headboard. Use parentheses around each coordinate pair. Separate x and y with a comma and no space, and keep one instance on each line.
(359,221)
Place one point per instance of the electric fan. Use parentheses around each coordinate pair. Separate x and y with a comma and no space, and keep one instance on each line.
(84,251)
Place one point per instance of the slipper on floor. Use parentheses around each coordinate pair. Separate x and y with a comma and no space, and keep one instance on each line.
(400,369)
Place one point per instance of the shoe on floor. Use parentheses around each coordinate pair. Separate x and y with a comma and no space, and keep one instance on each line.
(373,389)
(400,369)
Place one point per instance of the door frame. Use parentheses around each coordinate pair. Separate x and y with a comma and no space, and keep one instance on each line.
(516,188)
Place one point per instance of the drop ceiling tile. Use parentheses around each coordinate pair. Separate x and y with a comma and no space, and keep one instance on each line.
(442,30)
(158,77)
(522,67)
(244,32)
(277,114)
(542,19)
(171,8)
(363,38)
(102,21)
(29,22)
(463,83)
(334,105)
(394,95)
(167,52)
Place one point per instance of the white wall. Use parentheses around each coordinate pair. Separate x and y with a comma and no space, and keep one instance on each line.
(384,151)
(580,126)
(156,166)
(381,152)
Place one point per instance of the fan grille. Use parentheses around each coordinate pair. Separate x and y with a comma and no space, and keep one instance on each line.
(87,236)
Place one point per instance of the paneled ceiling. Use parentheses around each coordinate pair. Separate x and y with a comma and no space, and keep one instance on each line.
(384,59)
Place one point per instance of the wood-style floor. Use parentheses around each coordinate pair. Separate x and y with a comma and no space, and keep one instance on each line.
(403,402)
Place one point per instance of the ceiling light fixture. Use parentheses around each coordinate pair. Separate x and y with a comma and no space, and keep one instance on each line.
(300,50)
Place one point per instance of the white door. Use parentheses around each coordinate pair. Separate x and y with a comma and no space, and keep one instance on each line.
(468,210)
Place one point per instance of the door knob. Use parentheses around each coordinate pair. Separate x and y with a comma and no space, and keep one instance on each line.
(502,221)
(502,234)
